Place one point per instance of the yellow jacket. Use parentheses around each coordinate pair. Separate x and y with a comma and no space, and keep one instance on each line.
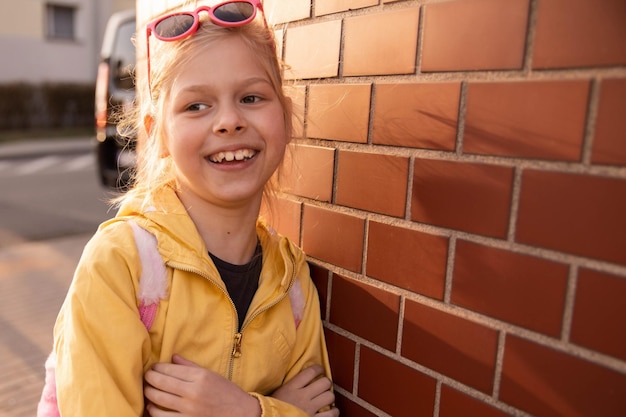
(103,348)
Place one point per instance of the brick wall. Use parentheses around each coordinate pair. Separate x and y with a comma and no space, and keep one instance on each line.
(458,181)
(459,184)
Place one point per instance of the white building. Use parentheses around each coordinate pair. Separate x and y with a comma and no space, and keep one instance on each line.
(53,41)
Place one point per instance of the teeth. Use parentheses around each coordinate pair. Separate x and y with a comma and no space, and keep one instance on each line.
(229,156)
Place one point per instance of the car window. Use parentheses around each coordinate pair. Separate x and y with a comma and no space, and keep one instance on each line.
(123,57)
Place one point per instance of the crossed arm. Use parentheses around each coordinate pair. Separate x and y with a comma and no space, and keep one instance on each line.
(185,389)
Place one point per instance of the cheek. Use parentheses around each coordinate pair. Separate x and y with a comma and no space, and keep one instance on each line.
(282,128)
(177,138)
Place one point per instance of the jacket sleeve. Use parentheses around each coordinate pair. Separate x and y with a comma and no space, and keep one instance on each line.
(309,349)
(271,407)
(99,339)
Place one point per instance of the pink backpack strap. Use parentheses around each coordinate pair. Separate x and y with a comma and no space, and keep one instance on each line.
(153,278)
(296,296)
(47,406)
(152,289)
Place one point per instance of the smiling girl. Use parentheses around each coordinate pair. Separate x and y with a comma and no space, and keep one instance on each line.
(237,331)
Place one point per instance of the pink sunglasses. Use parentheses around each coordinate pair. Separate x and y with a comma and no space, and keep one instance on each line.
(180,25)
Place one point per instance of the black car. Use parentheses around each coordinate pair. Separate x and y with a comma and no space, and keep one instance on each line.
(115,92)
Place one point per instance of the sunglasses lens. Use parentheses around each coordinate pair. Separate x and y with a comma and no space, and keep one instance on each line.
(174,26)
(234,12)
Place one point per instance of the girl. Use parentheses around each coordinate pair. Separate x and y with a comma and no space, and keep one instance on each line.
(227,339)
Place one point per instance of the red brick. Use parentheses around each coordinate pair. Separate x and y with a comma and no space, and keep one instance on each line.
(547,382)
(381,43)
(341,352)
(423,115)
(333,237)
(323,7)
(579,214)
(319,275)
(599,313)
(540,119)
(455,404)
(393,387)
(515,288)
(349,408)
(476,35)
(372,182)
(298,100)
(580,33)
(406,258)
(462,196)
(308,171)
(284,216)
(366,311)
(280,11)
(312,51)
(461,349)
(609,143)
(339,112)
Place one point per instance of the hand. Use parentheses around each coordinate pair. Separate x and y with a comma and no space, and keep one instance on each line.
(186,389)
(310,391)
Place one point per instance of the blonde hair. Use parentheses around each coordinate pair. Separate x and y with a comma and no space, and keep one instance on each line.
(167,58)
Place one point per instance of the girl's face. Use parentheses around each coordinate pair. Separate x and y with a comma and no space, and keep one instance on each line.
(224,126)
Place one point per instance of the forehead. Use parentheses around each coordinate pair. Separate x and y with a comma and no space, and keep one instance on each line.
(227,59)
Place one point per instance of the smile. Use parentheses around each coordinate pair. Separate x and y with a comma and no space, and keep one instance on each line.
(229,156)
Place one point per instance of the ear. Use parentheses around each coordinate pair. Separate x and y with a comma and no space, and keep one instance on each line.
(148,120)
(148,123)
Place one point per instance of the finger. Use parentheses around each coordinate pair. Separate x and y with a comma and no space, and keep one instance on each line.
(181,372)
(161,398)
(323,400)
(155,411)
(179,360)
(333,412)
(305,376)
(166,383)
(318,386)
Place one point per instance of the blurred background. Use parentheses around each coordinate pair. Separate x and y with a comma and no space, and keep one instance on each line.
(52,190)
(50,54)
(459,187)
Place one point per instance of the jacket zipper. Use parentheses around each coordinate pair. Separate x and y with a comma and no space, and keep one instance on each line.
(238,337)
(236,352)
(236,349)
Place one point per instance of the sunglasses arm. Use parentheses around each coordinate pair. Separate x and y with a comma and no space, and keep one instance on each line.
(148,33)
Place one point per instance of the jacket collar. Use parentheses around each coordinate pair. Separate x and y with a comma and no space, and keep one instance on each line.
(180,243)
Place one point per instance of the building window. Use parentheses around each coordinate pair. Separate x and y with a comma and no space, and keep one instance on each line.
(60,21)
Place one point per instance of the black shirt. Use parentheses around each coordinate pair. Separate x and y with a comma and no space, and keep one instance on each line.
(241,281)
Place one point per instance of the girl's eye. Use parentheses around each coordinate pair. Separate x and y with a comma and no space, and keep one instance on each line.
(250,99)
(197,107)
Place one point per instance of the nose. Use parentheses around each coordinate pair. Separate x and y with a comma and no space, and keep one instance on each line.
(228,120)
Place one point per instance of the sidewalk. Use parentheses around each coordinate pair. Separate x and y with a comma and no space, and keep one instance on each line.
(29,148)
(34,278)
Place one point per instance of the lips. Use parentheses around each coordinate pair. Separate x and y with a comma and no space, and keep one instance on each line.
(230,156)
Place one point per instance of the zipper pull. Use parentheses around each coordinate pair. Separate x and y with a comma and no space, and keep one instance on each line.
(237,346)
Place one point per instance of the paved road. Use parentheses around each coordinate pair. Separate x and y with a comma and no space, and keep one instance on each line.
(34,277)
(48,192)
(50,204)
